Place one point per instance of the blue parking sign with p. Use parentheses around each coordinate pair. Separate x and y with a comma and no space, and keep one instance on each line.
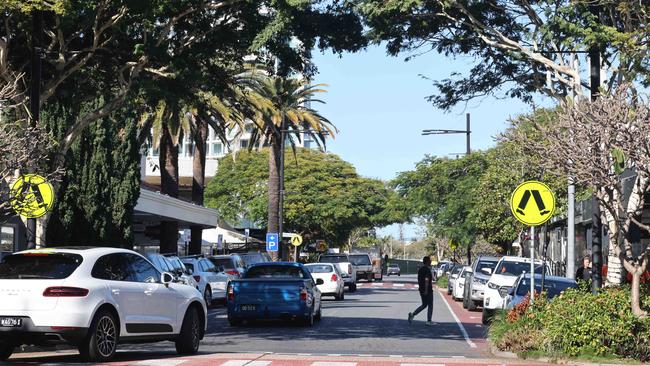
(272,242)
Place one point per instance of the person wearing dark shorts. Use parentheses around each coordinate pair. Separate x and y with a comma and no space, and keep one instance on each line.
(426,291)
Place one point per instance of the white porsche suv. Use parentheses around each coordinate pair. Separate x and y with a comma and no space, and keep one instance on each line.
(94,298)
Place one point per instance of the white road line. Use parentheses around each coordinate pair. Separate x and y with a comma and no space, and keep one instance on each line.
(460,325)
(160,362)
(377,284)
(334,364)
(398,285)
(245,363)
(422,364)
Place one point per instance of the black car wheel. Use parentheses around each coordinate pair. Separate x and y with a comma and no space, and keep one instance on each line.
(471,305)
(101,342)
(309,319)
(6,350)
(207,296)
(486,318)
(189,338)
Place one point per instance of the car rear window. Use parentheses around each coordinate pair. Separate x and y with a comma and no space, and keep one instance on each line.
(227,263)
(360,260)
(333,259)
(252,258)
(320,268)
(552,288)
(55,266)
(275,272)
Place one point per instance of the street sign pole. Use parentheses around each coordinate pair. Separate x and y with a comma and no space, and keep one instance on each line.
(532,264)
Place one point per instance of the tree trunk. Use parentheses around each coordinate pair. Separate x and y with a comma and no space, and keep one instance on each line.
(168,161)
(198,181)
(636,296)
(274,191)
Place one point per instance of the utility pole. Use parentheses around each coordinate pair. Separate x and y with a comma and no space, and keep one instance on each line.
(596,225)
(35,99)
(467,133)
(401,239)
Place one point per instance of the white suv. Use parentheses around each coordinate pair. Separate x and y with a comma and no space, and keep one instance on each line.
(212,283)
(503,278)
(94,298)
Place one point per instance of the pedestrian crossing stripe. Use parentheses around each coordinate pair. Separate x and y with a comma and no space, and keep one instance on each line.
(535,211)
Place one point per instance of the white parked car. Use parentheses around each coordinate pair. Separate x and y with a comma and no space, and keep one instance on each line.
(459,283)
(164,264)
(503,278)
(94,298)
(333,284)
(212,283)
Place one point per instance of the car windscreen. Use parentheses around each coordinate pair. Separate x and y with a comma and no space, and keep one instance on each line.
(486,264)
(274,272)
(250,259)
(333,259)
(189,266)
(552,288)
(227,263)
(456,270)
(360,260)
(319,268)
(515,268)
(39,266)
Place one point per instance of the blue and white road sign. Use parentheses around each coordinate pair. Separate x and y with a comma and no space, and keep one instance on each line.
(272,242)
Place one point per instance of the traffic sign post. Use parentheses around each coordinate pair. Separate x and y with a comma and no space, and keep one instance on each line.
(296,240)
(272,240)
(532,203)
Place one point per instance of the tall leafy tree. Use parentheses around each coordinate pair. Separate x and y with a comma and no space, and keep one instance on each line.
(285,108)
(326,198)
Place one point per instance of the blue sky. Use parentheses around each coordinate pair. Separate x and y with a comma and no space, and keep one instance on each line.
(378,104)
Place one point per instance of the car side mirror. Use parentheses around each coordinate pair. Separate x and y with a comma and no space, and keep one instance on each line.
(190,272)
(487,271)
(166,278)
(319,281)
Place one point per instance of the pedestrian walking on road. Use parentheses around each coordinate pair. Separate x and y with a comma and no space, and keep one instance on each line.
(426,291)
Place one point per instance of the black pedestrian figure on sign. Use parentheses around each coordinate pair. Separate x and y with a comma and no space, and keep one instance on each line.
(538,200)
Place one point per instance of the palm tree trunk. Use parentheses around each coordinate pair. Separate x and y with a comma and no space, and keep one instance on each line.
(274,190)
(168,161)
(198,181)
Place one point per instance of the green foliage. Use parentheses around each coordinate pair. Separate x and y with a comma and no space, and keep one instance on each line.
(26,6)
(101,185)
(443,192)
(577,324)
(325,197)
(476,29)
(443,282)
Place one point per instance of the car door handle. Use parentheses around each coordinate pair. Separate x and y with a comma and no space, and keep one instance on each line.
(148,292)
(115,291)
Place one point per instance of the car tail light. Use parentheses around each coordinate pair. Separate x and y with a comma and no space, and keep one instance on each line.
(334,277)
(197,279)
(303,294)
(64,291)
(233,272)
(231,293)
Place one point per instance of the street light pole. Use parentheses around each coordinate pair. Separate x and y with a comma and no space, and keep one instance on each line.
(35,99)
(467,132)
(281,250)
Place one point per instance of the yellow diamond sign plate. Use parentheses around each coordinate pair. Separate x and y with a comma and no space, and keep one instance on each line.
(532,203)
(31,196)
(296,240)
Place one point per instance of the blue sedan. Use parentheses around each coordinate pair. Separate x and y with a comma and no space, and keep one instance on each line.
(274,291)
(553,285)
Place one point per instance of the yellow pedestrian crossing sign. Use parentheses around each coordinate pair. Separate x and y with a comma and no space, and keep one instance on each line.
(31,196)
(296,240)
(532,203)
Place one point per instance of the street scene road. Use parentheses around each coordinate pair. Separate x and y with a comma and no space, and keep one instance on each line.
(370,323)
(324,182)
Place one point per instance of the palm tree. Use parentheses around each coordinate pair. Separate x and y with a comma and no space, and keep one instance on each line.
(284,110)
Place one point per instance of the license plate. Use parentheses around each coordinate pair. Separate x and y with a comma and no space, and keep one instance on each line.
(11,322)
(248,307)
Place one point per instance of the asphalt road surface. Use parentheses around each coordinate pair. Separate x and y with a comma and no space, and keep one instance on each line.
(369,322)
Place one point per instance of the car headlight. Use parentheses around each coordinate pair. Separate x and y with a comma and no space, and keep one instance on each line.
(503,291)
(492,286)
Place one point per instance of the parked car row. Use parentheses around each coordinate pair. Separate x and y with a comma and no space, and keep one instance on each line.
(495,283)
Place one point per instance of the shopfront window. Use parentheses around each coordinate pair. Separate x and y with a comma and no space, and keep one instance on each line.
(7,239)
